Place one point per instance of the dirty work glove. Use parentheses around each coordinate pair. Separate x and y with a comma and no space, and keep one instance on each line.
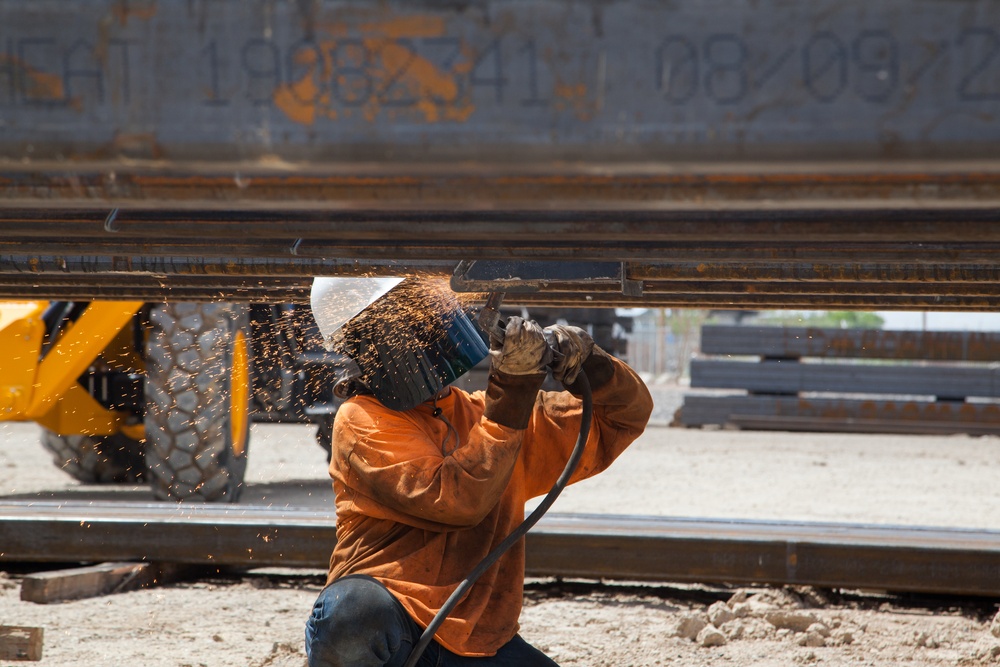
(524,349)
(516,374)
(573,345)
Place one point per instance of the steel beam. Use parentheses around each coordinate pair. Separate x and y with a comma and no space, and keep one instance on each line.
(81,266)
(126,287)
(555,184)
(706,141)
(777,377)
(792,413)
(751,223)
(846,272)
(501,81)
(410,248)
(831,301)
(873,415)
(795,342)
(895,558)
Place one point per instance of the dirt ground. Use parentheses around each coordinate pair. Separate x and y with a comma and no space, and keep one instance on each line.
(255,619)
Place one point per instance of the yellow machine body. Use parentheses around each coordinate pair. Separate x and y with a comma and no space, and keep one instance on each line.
(44,388)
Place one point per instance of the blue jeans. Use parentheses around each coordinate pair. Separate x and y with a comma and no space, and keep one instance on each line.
(356,622)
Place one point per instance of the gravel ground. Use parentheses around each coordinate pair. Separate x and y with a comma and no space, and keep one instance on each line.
(255,619)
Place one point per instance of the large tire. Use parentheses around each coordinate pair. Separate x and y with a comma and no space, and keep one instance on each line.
(114,459)
(197,400)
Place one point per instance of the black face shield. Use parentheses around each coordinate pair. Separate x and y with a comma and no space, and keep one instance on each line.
(411,343)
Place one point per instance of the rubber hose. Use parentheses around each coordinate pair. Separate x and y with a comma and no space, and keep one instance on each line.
(517,533)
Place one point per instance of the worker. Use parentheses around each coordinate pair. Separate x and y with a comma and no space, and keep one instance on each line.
(428,484)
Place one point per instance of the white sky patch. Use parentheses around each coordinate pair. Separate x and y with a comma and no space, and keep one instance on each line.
(941,321)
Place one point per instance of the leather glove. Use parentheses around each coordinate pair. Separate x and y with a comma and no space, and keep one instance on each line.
(524,350)
(573,345)
(517,373)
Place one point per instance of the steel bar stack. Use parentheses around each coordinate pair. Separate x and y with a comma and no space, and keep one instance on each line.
(868,381)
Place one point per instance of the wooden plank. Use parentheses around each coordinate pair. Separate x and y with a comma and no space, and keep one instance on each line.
(95,580)
(792,342)
(20,642)
(790,377)
(886,415)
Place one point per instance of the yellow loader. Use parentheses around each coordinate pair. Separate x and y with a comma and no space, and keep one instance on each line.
(130,392)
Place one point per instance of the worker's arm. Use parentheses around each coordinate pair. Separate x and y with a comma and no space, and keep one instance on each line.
(622,406)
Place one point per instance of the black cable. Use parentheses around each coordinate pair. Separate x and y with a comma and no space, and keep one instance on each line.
(574,459)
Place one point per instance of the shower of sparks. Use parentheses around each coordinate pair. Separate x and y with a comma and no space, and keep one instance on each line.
(411,317)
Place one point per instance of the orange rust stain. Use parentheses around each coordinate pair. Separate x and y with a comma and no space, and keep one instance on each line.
(436,93)
(400,27)
(570,92)
(46,86)
(574,97)
(388,76)
(298,100)
(123,11)
(36,85)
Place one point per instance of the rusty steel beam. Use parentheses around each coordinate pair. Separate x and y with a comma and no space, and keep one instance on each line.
(175,274)
(841,272)
(788,378)
(56,187)
(282,83)
(138,287)
(931,560)
(794,342)
(831,301)
(407,245)
(349,138)
(762,288)
(881,415)
(656,277)
(834,425)
(974,223)
(663,289)
(124,287)
(214,267)
(211,279)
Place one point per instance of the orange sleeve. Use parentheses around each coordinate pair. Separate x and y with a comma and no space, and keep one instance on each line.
(622,407)
(392,459)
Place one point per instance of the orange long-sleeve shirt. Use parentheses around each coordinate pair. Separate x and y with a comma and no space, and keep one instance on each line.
(418,520)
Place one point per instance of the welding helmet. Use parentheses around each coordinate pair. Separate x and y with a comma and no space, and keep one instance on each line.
(409,338)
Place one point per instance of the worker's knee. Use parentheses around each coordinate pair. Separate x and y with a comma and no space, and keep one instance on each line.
(356,621)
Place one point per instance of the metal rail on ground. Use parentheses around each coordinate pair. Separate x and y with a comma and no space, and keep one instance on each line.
(894,558)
